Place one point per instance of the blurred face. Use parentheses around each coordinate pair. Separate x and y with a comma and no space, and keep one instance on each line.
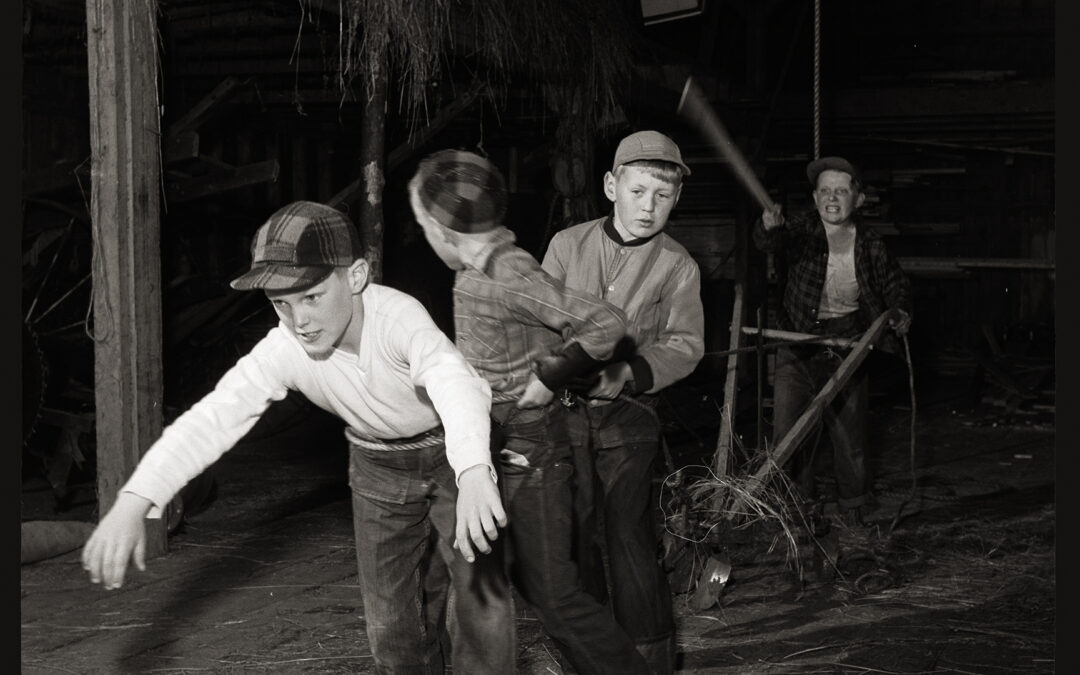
(321,316)
(642,201)
(836,198)
(434,233)
(446,251)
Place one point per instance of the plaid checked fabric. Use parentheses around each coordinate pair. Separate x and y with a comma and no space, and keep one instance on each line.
(298,246)
(801,247)
(462,191)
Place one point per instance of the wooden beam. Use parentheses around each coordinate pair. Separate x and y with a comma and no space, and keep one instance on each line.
(805,424)
(185,190)
(961,266)
(793,336)
(203,110)
(125,147)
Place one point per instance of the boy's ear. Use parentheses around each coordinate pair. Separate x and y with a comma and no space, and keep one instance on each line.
(609,186)
(359,275)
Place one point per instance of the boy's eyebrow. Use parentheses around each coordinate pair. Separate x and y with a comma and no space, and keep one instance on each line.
(637,182)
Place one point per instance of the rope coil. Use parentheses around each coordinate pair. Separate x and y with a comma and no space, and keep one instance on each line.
(817,79)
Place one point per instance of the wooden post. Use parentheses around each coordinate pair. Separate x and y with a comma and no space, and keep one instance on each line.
(727,414)
(416,140)
(373,166)
(731,381)
(759,390)
(125,189)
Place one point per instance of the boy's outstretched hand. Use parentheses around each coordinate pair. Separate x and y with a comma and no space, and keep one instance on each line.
(480,512)
(118,538)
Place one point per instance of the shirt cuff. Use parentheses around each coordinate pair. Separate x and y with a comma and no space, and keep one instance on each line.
(642,373)
(557,371)
(491,472)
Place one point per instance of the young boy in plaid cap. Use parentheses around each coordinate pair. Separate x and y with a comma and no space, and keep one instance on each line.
(528,335)
(417,422)
(627,259)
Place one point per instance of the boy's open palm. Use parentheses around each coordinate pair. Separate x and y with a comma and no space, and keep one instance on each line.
(118,538)
(480,512)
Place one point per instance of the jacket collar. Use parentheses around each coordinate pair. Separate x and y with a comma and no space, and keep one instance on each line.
(613,234)
(478,255)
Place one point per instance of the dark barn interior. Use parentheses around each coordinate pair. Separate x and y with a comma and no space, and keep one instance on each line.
(948,107)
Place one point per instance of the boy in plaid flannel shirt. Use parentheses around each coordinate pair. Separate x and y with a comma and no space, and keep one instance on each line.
(528,335)
(839,278)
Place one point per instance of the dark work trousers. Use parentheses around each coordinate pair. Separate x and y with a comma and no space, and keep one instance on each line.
(800,374)
(399,497)
(535,473)
(615,449)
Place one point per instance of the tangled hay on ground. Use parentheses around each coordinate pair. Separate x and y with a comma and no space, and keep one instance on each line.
(710,510)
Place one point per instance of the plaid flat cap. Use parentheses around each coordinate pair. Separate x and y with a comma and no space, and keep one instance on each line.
(462,191)
(298,246)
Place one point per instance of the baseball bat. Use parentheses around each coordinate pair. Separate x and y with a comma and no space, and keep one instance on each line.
(694,107)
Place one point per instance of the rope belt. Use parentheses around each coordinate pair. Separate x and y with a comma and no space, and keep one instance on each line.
(427,439)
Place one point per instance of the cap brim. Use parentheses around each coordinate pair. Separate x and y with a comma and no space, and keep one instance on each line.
(816,167)
(619,161)
(276,277)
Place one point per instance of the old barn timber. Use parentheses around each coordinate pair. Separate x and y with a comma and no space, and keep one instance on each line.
(126,184)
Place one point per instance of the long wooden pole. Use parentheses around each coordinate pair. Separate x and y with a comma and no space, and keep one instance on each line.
(790,442)
(125,145)
(724,442)
(722,457)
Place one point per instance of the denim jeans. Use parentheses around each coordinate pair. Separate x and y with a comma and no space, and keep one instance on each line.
(398,497)
(615,447)
(537,492)
(799,376)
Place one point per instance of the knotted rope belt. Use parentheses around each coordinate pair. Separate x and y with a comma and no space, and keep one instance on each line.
(430,438)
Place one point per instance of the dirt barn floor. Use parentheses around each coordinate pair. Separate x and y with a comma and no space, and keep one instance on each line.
(263,579)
